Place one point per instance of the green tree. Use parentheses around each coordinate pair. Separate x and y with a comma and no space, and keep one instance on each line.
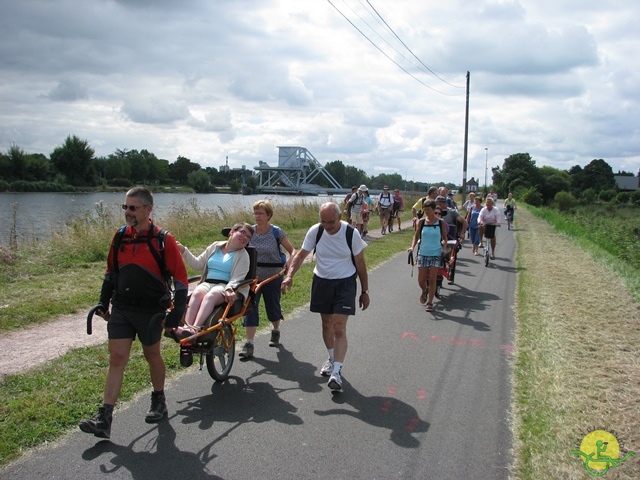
(598,175)
(518,171)
(17,162)
(117,166)
(553,181)
(179,170)
(74,160)
(200,181)
(337,171)
(38,168)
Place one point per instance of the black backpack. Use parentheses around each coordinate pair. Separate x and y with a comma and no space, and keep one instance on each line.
(350,230)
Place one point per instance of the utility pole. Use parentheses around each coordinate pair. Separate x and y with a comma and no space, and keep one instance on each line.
(486,158)
(466,142)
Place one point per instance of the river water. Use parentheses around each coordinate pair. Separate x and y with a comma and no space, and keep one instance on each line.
(36,215)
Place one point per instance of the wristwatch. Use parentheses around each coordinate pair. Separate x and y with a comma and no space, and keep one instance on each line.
(365,292)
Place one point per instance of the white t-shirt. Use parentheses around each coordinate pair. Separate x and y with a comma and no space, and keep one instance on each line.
(487,217)
(333,257)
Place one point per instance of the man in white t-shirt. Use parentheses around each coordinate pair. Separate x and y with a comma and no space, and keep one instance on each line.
(334,286)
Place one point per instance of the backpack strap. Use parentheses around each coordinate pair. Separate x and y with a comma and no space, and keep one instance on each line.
(158,253)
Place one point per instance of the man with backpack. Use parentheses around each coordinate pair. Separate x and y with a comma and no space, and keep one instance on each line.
(339,259)
(385,204)
(356,202)
(142,261)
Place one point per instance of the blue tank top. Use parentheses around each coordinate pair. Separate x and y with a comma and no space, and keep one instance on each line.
(219,266)
(430,245)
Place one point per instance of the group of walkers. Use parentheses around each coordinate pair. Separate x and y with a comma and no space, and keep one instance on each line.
(144,260)
(358,207)
(437,221)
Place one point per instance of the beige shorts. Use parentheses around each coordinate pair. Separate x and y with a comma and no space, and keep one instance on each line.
(357,218)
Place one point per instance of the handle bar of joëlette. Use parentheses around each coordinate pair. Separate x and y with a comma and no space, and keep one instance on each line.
(223,319)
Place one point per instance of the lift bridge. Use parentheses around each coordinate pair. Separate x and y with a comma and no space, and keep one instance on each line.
(294,175)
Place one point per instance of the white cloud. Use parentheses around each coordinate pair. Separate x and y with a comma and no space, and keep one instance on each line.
(207,80)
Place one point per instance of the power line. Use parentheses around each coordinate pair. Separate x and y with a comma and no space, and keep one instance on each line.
(405,46)
(385,54)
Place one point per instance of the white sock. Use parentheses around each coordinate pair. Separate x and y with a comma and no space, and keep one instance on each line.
(330,350)
(337,366)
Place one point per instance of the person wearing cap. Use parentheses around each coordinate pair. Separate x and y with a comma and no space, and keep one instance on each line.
(356,202)
(385,202)
(416,210)
(454,219)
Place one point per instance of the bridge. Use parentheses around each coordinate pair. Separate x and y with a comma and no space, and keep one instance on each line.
(296,171)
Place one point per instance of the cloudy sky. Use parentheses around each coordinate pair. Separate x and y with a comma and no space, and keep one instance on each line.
(380,85)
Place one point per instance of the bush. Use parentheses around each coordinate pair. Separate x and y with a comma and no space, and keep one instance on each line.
(607,195)
(120,182)
(623,197)
(635,196)
(4,186)
(589,196)
(565,202)
(532,196)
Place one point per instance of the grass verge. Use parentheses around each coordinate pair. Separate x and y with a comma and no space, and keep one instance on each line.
(577,347)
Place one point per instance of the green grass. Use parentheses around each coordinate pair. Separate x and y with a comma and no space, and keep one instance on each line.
(43,404)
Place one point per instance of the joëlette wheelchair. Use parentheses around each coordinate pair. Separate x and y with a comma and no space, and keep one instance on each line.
(216,341)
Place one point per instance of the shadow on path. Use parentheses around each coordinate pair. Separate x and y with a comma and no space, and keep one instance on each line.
(383,412)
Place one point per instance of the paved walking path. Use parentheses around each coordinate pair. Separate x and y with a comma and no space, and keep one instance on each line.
(426,395)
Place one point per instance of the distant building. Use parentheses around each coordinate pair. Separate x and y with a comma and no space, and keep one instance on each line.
(625,182)
(472,185)
(225,167)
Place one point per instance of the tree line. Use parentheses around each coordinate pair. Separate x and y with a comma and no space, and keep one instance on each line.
(73,165)
(546,185)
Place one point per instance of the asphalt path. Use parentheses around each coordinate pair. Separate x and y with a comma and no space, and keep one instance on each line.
(426,396)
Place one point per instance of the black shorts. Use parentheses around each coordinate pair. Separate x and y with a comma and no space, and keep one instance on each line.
(333,296)
(128,324)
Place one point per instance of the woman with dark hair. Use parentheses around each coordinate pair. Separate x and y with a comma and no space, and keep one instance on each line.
(431,238)
(223,264)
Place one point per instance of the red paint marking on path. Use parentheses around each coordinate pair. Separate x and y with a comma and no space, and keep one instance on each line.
(422,394)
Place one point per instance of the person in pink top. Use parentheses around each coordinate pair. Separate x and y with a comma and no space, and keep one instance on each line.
(489,215)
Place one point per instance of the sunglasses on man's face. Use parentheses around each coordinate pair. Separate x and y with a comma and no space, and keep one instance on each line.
(438,213)
(132,208)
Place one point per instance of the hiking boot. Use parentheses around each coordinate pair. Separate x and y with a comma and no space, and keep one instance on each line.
(99,424)
(335,382)
(327,368)
(275,338)
(158,408)
(247,350)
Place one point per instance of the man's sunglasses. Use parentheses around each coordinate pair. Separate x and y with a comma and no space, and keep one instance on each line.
(132,208)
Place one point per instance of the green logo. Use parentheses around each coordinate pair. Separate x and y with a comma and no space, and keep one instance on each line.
(600,451)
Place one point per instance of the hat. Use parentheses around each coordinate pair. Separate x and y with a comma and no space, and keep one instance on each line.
(385,188)
(440,198)
(363,188)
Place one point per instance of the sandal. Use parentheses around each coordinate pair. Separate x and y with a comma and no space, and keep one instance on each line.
(429,307)
(423,297)
(172,334)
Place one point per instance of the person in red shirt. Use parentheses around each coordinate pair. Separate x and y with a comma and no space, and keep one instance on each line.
(136,286)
